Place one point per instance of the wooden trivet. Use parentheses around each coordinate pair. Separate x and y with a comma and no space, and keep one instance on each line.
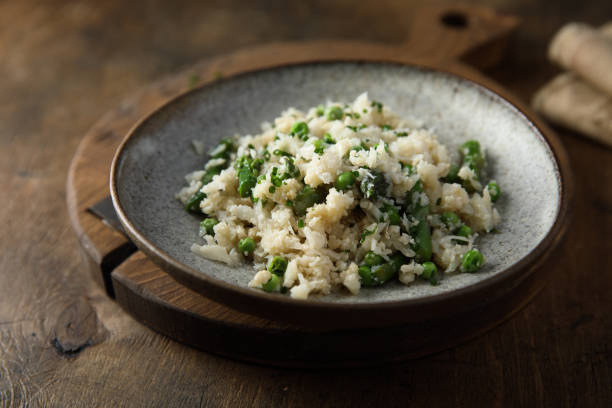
(437,35)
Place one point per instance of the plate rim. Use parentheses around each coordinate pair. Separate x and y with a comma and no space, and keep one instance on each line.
(308,310)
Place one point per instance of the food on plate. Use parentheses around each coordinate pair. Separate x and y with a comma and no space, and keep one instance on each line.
(340,197)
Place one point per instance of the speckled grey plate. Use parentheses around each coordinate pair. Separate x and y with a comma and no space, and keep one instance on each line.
(523,158)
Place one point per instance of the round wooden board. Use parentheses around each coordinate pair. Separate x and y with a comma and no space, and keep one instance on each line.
(155,299)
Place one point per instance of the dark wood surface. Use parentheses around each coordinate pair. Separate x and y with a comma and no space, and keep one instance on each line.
(63,343)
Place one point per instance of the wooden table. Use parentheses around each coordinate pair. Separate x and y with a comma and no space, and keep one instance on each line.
(64,64)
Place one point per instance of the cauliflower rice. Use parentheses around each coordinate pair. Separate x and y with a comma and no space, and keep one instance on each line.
(339,197)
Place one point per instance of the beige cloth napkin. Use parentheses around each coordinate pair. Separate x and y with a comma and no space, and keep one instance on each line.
(580,99)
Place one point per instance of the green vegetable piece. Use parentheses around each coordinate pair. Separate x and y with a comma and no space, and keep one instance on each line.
(328,139)
(365,233)
(247,181)
(377,105)
(397,260)
(320,110)
(393,214)
(193,204)
(430,272)
(272,285)
(345,180)
(334,113)
(472,261)
(408,169)
(319,146)
(453,174)
(278,265)
(300,223)
(208,225)
(373,185)
(472,155)
(376,275)
(279,152)
(494,191)
(210,173)
(451,220)
(246,246)
(385,127)
(372,258)
(422,238)
(464,231)
(305,199)
(365,275)
(299,129)
(382,273)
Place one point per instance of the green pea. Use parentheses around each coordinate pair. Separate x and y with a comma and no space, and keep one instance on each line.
(304,200)
(464,231)
(393,214)
(193,204)
(430,272)
(320,110)
(451,220)
(299,129)
(365,275)
(494,191)
(345,180)
(334,113)
(272,285)
(208,225)
(372,258)
(246,246)
(278,265)
(472,261)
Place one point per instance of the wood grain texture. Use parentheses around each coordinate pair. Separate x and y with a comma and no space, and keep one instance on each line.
(66,63)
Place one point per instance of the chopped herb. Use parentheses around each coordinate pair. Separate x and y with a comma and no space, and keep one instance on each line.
(319,146)
(366,233)
(272,189)
(401,134)
(356,128)
(300,223)
(377,105)
(289,203)
(386,127)
(328,139)
(266,155)
(279,152)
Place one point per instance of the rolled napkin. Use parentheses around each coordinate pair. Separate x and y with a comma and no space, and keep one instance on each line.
(568,99)
(586,51)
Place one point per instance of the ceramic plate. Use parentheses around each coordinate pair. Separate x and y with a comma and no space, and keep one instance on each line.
(524,159)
